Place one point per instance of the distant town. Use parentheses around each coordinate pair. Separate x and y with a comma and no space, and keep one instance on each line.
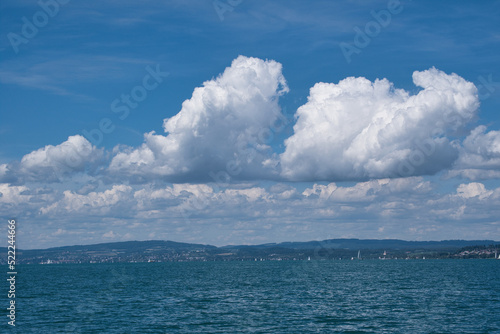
(335,249)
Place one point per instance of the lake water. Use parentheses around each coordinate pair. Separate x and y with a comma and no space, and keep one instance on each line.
(414,296)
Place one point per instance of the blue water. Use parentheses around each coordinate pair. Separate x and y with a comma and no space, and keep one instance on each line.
(415,296)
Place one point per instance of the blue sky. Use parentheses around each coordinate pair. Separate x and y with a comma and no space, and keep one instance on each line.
(318,176)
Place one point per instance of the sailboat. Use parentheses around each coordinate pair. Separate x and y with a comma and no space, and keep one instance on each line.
(383,258)
(359,255)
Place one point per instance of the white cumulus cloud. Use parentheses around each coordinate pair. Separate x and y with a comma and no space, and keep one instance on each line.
(224,121)
(473,189)
(358,129)
(52,163)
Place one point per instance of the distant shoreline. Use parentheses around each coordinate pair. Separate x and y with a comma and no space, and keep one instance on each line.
(332,249)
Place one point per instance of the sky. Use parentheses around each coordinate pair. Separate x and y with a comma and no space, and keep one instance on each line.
(248,122)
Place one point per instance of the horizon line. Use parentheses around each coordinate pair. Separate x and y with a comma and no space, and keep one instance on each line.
(250,245)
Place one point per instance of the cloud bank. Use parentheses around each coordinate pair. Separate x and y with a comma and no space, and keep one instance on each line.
(353,130)
(397,208)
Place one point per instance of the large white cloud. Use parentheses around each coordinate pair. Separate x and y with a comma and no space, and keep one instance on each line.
(358,129)
(52,163)
(225,121)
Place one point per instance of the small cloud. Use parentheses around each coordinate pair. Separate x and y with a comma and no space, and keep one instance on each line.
(473,189)
(59,231)
(110,235)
